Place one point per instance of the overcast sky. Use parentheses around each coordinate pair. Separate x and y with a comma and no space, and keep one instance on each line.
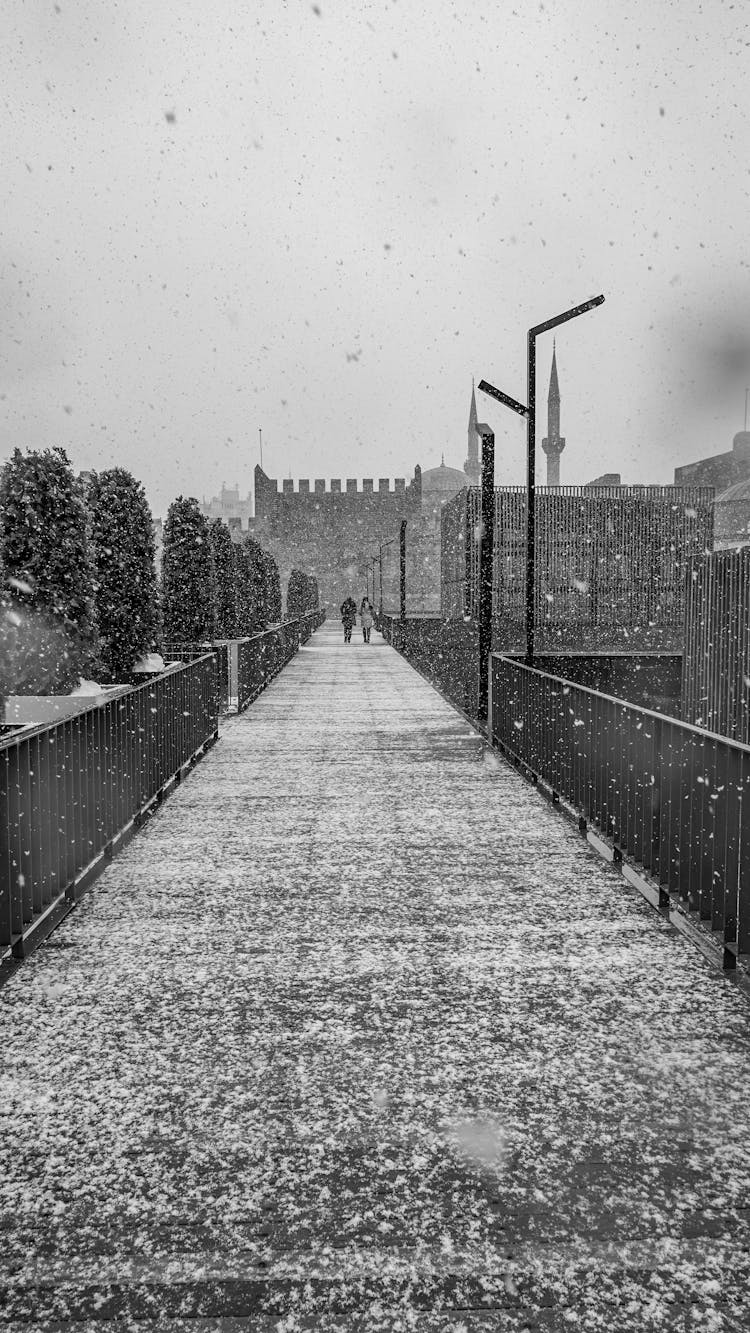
(323,219)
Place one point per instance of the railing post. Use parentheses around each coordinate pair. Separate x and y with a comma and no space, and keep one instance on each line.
(531,498)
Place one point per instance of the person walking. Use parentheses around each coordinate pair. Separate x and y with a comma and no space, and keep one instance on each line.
(348,617)
(365,615)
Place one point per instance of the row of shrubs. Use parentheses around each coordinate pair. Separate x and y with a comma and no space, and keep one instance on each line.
(80,595)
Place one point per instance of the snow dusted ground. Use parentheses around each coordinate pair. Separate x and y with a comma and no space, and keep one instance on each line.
(359,1034)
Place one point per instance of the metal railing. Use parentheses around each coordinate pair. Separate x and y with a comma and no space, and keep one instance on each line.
(311,621)
(446,652)
(663,793)
(221,650)
(262,657)
(69,791)
(246,666)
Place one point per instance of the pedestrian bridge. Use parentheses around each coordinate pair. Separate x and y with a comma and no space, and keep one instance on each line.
(358,1032)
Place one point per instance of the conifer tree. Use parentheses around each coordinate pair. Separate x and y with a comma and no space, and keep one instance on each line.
(301,594)
(121,539)
(48,636)
(272,589)
(241,592)
(187,575)
(251,583)
(225,579)
(295,593)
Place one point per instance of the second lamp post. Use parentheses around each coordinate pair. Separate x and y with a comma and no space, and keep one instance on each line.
(529,411)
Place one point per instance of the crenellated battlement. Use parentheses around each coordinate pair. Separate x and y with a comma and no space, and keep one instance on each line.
(304,488)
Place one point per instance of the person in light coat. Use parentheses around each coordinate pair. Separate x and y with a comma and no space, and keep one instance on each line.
(365,616)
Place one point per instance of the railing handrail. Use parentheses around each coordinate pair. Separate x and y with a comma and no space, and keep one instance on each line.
(244,638)
(24,729)
(516,655)
(624,703)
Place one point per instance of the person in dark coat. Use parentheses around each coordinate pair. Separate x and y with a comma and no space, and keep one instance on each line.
(348,617)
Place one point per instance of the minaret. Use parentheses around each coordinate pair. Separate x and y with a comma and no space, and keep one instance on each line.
(553,443)
(471,466)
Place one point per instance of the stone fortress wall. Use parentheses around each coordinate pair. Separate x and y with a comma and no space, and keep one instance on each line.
(331,532)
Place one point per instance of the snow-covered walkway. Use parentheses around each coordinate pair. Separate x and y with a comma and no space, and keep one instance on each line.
(359,1033)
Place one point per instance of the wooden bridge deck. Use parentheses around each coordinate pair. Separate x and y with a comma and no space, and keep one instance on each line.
(359,1033)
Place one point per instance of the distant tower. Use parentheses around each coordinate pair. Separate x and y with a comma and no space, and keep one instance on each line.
(471,466)
(553,443)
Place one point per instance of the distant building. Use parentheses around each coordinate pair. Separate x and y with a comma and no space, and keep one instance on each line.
(720,470)
(553,443)
(438,485)
(611,563)
(606,479)
(227,505)
(729,474)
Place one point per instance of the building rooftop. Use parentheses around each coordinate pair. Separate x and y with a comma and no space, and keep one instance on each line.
(443,481)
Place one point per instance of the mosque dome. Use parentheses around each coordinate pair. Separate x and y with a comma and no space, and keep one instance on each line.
(442,483)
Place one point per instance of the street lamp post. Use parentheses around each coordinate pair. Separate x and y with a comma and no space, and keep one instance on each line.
(379,558)
(381,547)
(486,546)
(529,411)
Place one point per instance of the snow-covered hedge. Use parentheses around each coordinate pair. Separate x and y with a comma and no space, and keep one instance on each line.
(225,579)
(301,594)
(122,552)
(254,603)
(187,575)
(48,636)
